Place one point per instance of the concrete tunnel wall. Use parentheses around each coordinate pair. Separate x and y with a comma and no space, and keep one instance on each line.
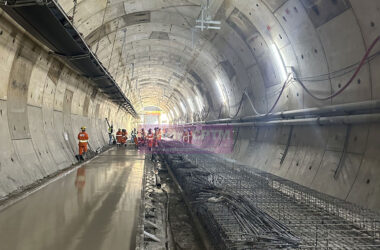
(312,157)
(315,38)
(43,104)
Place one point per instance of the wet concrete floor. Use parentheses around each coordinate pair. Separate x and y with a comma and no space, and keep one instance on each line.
(94,207)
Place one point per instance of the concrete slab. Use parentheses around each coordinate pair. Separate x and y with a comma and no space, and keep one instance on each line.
(94,207)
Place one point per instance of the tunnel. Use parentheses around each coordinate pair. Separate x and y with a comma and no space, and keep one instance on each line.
(280,97)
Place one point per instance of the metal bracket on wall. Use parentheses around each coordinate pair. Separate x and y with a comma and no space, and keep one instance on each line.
(78,57)
(98,78)
(344,153)
(70,58)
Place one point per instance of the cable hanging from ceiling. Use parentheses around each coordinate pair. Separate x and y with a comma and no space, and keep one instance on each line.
(365,58)
(362,62)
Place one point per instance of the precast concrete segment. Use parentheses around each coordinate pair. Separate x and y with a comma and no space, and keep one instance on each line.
(94,207)
(316,157)
(43,104)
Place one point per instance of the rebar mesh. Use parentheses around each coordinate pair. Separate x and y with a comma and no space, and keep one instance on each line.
(246,208)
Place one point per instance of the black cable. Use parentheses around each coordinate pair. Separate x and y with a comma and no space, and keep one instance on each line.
(337,73)
(240,105)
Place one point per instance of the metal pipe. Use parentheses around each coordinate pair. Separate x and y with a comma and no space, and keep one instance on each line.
(364,107)
(330,120)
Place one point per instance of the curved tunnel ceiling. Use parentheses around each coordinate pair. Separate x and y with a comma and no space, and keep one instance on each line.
(152,50)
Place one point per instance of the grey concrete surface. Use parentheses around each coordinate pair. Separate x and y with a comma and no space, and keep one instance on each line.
(42,107)
(149,48)
(94,207)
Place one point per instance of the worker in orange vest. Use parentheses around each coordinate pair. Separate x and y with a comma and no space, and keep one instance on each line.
(118,137)
(190,136)
(159,136)
(150,139)
(143,136)
(185,136)
(134,135)
(155,138)
(83,141)
(124,137)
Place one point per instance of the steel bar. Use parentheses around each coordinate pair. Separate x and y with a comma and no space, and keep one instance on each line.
(246,208)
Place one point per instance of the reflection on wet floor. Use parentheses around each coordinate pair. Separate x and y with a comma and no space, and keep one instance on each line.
(95,207)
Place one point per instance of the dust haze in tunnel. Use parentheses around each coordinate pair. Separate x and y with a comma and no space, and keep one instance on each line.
(158,58)
(153,52)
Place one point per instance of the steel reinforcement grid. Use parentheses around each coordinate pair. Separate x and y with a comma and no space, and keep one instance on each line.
(244,208)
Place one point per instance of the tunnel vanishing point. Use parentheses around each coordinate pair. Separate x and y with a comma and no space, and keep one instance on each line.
(297,82)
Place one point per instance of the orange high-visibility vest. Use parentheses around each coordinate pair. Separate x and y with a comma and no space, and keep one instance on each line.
(118,136)
(83,138)
(185,136)
(150,140)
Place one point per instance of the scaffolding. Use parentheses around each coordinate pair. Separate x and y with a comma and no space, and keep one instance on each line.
(245,208)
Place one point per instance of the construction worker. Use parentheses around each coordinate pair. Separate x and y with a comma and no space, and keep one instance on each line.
(143,136)
(185,136)
(110,134)
(190,136)
(159,136)
(150,139)
(155,138)
(83,141)
(124,137)
(118,137)
(134,138)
